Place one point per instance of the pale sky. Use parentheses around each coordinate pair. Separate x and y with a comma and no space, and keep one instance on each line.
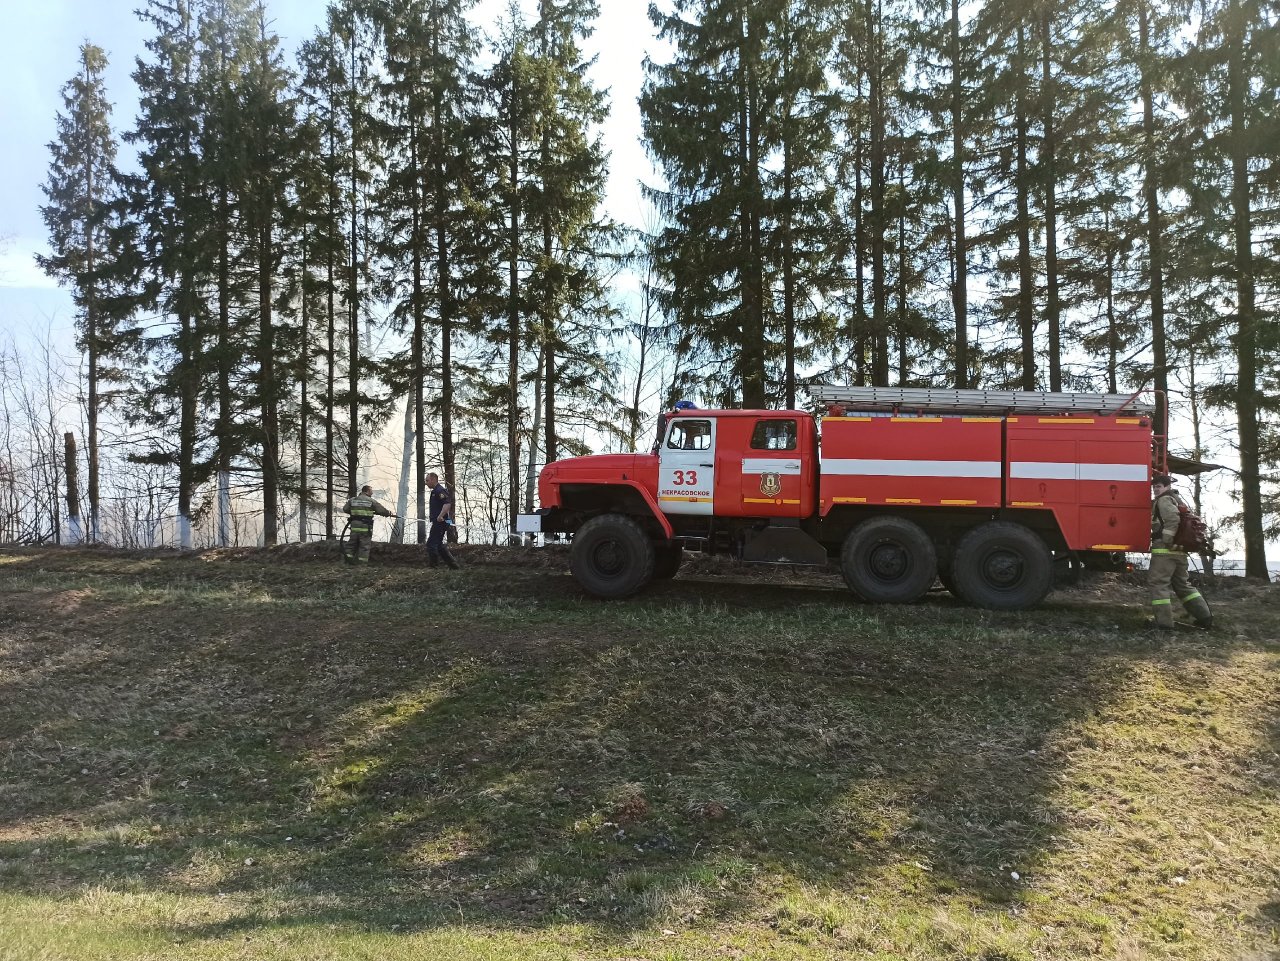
(38,49)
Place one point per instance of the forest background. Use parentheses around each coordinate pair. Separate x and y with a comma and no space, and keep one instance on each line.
(512,237)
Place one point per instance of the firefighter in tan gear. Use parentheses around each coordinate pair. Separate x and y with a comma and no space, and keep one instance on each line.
(1168,575)
(362,507)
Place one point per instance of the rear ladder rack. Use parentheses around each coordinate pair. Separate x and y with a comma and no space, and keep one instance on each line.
(938,400)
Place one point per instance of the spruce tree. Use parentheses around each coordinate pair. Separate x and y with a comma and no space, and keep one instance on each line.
(1006,31)
(169,201)
(1146,36)
(707,127)
(809,244)
(1236,177)
(361,161)
(270,142)
(226,32)
(431,163)
(322,84)
(83,208)
(512,84)
(568,295)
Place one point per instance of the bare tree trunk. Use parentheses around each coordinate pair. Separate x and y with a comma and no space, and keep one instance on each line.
(1052,307)
(1026,318)
(531,470)
(1113,334)
(513,318)
(880,340)
(406,469)
(353,300)
(331,357)
(749,137)
(642,360)
(304,421)
(788,238)
(549,319)
(444,280)
(267,378)
(1155,230)
(418,399)
(224,368)
(960,278)
(904,313)
(1197,451)
(74,532)
(1246,341)
(188,375)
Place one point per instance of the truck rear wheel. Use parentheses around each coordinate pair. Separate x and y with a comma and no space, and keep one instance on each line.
(889,560)
(1003,567)
(611,556)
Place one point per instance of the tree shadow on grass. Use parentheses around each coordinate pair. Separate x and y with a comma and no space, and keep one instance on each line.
(605,764)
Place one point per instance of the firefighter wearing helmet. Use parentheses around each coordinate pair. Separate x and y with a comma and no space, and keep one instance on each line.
(1167,577)
(362,507)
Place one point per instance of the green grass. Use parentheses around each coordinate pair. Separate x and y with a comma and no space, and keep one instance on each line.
(261,755)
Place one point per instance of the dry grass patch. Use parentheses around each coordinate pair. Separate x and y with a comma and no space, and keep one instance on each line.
(258,754)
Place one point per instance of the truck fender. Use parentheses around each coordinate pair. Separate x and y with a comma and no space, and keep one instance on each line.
(660,517)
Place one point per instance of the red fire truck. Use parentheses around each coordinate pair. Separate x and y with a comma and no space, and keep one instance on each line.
(983,490)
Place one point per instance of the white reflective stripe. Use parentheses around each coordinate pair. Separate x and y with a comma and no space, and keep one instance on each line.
(1048,470)
(765,465)
(1114,472)
(911,468)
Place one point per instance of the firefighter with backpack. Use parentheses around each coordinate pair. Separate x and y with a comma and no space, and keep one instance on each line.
(1167,577)
(362,507)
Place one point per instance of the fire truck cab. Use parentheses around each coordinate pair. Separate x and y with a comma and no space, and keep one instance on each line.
(980,489)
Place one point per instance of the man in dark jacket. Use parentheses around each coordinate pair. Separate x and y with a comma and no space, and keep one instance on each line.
(440,513)
(362,507)
(1167,578)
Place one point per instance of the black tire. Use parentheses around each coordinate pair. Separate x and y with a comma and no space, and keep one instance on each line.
(1003,567)
(611,556)
(666,561)
(889,560)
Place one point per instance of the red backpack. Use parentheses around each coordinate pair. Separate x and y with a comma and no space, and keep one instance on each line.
(1192,534)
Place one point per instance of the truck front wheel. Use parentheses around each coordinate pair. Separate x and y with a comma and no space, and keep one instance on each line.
(611,556)
(1003,566)
(889,560)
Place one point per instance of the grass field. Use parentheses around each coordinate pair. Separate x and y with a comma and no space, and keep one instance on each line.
(259,754)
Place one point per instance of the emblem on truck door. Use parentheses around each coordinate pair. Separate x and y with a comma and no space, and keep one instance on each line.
(770,484)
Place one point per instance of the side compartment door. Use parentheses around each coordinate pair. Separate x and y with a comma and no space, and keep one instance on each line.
(686,466)
(773,477)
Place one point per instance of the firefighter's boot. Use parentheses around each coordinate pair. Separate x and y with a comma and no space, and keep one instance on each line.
(1163,610)
(1197,608)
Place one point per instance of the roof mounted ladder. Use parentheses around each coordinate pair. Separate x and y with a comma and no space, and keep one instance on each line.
(980,401)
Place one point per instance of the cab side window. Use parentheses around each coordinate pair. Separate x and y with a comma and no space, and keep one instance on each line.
(690,435)
(774,435)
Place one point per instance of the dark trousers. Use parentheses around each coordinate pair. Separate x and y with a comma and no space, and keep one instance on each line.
(436,549)
(359,540)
